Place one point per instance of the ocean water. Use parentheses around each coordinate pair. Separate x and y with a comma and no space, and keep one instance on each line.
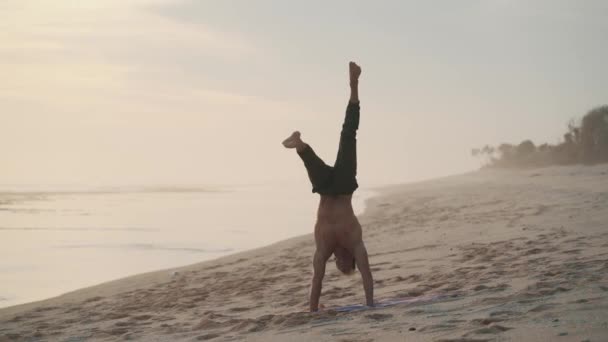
(55,239)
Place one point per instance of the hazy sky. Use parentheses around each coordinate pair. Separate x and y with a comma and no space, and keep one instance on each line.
(136,91)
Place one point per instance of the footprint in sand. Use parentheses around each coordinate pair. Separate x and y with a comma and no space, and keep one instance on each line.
(207,337)
(379,316)
(486,321)
(93,299)
(19,318)
(207,324)
(543,307)
(494,329)
(505,313)
(47,308)
(118,331)
(13,337)
(437,327)
(461,340)
(115,315)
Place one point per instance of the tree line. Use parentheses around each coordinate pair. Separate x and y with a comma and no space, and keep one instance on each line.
(585,142)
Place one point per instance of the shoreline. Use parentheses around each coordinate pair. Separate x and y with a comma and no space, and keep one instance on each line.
(491,255)
(361,204)
(140,279)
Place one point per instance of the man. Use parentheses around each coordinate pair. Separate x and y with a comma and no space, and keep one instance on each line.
(337,230)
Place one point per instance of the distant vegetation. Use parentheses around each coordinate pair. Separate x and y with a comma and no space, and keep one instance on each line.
(585,142)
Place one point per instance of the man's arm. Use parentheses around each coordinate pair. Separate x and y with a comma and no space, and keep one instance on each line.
(318,263)
(360,254)
(354,72)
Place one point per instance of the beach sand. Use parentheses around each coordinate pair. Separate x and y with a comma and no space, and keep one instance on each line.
(491,256)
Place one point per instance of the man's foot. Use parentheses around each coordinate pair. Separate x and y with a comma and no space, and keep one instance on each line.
(354,71)
(293,141)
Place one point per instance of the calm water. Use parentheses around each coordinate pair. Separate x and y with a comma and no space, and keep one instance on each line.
(57,239)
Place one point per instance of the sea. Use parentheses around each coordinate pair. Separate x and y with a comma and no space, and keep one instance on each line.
(59,238)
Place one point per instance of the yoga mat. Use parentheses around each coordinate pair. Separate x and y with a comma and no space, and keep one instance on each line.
(383,303)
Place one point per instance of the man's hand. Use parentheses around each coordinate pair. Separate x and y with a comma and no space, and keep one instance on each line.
(354,72)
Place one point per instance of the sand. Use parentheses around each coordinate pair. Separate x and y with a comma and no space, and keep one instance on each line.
(506,255)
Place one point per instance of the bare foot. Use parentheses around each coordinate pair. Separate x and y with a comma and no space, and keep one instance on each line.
(293,141)
(354,71)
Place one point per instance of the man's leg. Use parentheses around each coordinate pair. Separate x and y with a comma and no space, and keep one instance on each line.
(319,173)
(345,168)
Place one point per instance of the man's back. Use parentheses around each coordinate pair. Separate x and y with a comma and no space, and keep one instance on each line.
(337,226)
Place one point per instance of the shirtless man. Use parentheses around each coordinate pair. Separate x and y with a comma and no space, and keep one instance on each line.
(337,230)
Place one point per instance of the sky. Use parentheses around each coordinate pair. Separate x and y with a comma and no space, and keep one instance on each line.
(203,92)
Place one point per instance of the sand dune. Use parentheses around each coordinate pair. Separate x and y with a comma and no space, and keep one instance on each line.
(493,255)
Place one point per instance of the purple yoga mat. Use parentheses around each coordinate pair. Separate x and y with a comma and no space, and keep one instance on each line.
(383,303)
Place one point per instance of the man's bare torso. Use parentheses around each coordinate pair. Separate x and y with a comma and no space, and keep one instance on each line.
(337,226)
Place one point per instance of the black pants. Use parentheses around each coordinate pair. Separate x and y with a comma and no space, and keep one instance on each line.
(341,179)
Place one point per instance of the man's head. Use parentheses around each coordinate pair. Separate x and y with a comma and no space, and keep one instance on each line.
(345,261)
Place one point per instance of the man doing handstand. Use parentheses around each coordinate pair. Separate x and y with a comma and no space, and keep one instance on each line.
(337,230)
